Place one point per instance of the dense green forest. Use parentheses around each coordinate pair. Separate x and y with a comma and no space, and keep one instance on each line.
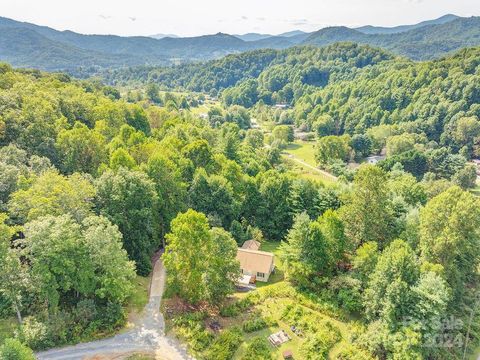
(94,180)
(359,100)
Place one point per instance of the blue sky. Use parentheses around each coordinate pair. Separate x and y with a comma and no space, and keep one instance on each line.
(186,18)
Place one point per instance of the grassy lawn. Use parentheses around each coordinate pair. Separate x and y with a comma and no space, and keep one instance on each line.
(303,150)
(307,173)
(293,345)
(278,275)
(202,109)
(138,299)
(7,327)
(274,308)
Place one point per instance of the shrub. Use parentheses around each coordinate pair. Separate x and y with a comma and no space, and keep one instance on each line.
(318,344)
(230,311)
(13,349)
(197,337)
(225,345)
(236,308)
(33,333)
(113,316)
(254,325)
(351,352)
(347,292)
(188,319)
(258,349)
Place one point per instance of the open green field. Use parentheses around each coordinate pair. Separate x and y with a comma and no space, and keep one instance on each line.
(303,150)
(301,156)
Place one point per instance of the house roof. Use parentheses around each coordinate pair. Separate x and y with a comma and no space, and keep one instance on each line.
(255,260)
(251,245)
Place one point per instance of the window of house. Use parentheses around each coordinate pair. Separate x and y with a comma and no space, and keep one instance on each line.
(259,274)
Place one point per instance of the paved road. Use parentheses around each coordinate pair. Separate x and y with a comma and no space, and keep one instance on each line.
(148,336)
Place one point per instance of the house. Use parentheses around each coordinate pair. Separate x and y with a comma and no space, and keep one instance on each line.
(375,159)
(251,245)
(281,106)
(255,263)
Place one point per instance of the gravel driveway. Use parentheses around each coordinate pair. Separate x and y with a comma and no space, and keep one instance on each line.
(148,336)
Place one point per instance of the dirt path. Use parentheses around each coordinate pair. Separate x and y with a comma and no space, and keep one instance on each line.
(148,336)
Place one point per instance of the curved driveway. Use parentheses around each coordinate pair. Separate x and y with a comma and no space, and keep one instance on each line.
(148,336)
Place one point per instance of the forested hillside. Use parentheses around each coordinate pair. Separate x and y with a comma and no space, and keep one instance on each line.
(30,45)
(302,65)
(423,43)
(347,89)
(376,265)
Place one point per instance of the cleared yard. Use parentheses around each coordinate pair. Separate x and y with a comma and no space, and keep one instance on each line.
(303,150)
(301,156)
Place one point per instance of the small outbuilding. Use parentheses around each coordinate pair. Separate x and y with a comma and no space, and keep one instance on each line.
(251,245)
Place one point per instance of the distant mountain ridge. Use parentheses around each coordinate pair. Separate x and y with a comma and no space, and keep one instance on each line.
(161,36)
(422,43)
(28,45)
(369,29)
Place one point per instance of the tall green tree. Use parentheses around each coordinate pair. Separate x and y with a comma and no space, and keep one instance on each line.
(450,236)
(213,195)
(129,200)
(367,215)
(52,194)
(193,270)
(81,149)
(274,216)
(170,188)
(388,294)
(15,281)
(85,259)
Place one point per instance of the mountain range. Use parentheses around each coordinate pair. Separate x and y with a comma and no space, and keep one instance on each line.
(28,45)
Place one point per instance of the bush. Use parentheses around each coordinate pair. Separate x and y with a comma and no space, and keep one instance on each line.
(191,328)
(225,345)
(254,325)
(258,349)
(318,344)
(33,333)
(197,337)
(189,319)
(236,308)
(347,292)
(13,349)
(77,324)
(351,352)
(230,311)
(113,316)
